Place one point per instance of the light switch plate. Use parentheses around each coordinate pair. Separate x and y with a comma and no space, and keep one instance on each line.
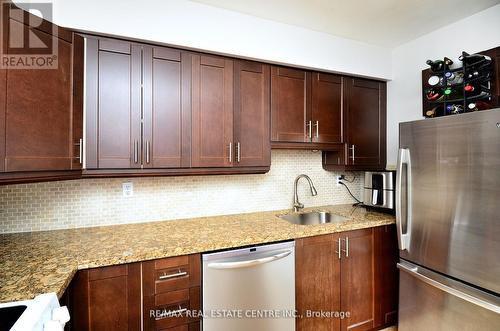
(128,189)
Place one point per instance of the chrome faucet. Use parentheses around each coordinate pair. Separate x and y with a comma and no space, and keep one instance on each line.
(297,206)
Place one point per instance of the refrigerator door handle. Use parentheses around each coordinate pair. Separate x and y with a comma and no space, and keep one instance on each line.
(471,297)
(403,238)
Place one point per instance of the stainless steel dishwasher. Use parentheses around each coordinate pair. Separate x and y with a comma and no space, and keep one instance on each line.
(250,289)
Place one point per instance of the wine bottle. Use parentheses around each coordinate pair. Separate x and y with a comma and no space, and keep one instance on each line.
(435,112)
(471,59)
(433,94)
(435,80)
(476,74)
(454,109)
(440,65)
(452,78)
(478,105)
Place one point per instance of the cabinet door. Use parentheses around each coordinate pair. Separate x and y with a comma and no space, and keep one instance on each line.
(366,122)
(113,107)
(212,112)
(357,279)
(326,108)
(386,275)
(166,108)
(252,114)
(317,277)
(290,109)
(106,298)
(37,118)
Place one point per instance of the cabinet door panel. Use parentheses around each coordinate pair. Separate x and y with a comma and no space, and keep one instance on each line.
(38,114)
(357,279)
(165,72)
(212,112)
(327,108)
(113,105)
(317,272)
(366,122)
(252,113)
(290,92)
(386,275)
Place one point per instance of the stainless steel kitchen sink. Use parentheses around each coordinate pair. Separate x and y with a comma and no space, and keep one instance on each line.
(312,218)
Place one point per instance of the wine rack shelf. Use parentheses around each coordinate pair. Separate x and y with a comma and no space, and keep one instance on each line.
(446,89)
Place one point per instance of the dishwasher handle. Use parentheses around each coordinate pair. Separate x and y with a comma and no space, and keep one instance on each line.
(249,263)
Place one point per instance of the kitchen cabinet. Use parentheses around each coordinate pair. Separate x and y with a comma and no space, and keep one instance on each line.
(317,277)
(364,128)
(306,109)
(166,108)
(137,296)
(212,112)
(41,111)
(113,104)
(171,285)
(107,298)
(350,272)
(252,114)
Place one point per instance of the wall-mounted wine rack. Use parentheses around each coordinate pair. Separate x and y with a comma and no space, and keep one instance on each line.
(473,86)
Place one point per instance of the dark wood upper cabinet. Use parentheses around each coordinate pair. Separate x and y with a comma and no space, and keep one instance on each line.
(290,108)
(41,110)
(326,108)
(306,109)
(317,280)
(252,114)
(166,108)
(212,112)
(364,128)
(113,108)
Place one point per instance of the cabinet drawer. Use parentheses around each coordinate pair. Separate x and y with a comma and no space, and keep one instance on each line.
(186,327)
(174,306)
(171,274)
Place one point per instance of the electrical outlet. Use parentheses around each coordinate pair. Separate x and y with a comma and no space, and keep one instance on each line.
(337,180)
(128,189)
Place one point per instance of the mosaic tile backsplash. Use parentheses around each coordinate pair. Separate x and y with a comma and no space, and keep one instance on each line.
(94,202)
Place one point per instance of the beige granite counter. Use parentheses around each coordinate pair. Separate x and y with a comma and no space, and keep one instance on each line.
(40,262)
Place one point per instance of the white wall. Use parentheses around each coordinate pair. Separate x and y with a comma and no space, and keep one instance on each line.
(475,33)
(198,26)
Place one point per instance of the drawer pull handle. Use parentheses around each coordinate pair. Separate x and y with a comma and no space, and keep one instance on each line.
(177,274)
(171,313)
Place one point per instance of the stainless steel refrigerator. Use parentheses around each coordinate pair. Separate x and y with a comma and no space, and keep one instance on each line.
(448,220)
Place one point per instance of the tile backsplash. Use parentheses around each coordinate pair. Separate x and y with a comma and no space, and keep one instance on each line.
(94,202)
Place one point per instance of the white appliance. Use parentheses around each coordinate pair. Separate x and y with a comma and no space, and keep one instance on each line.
(250,289)
(43,313)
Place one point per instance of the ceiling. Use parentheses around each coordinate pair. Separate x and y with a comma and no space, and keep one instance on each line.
(387,23)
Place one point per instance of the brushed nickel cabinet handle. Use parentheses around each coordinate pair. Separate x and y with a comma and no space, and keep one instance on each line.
(346,246)
(171,313)
(230,152)
(177,274)
(136,157)
(317,129)
(309,124)
(339,248)
(80,150)
(352,148)
(148,150)
(238,152)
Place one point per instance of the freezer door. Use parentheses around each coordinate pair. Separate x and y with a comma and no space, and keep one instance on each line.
(429,301)
(448,196)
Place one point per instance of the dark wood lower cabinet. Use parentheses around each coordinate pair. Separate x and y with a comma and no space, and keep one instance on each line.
(352,276)
(107,298)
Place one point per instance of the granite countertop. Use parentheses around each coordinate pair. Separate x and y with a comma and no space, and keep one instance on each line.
(38,262)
